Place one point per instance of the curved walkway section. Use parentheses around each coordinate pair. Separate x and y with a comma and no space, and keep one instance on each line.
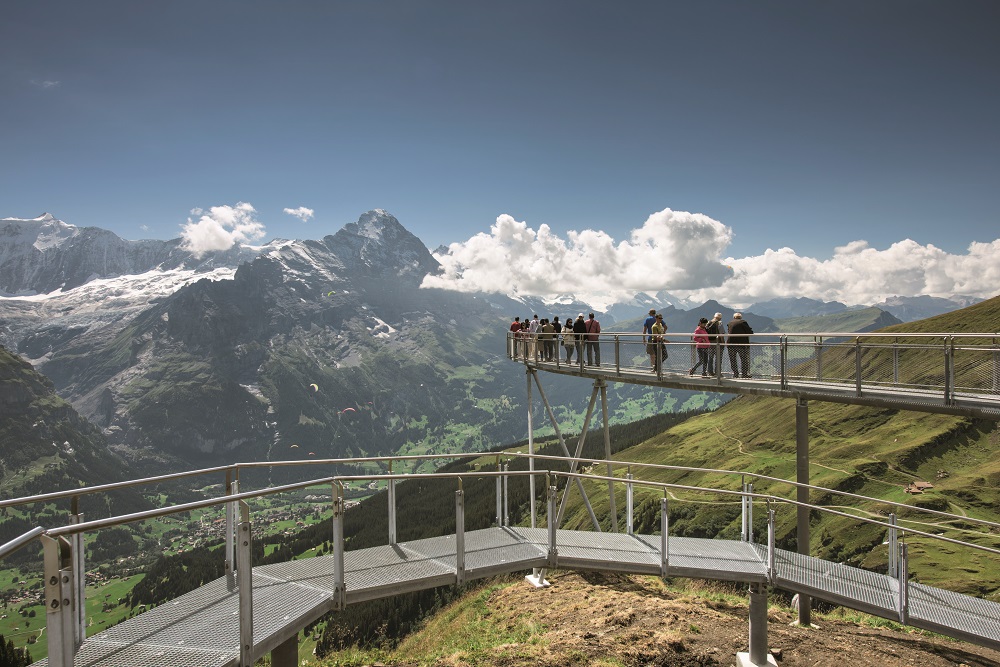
(199,629)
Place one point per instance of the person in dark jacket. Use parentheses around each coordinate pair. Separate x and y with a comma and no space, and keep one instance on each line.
(714,329)
(738,344)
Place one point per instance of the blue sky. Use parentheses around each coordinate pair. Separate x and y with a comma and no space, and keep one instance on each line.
(793,124)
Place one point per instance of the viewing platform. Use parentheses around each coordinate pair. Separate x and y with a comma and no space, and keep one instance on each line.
(946,373)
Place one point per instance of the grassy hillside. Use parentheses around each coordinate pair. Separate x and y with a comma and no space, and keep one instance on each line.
(868,451)
(864,319)
(608,620)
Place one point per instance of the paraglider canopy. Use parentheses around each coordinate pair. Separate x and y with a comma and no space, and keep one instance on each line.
(315,387)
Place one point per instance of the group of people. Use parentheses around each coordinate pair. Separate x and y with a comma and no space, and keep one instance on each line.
(708,340)
(540,340)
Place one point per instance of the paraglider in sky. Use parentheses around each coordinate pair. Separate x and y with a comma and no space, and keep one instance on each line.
(347,410)
(312,453)
(315,387)
(330,292)
(293,447)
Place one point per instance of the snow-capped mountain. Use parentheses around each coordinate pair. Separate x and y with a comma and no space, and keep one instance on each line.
(42,255)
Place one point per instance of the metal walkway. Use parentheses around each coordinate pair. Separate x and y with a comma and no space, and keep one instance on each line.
(945,373)
(228,624)
(199,629)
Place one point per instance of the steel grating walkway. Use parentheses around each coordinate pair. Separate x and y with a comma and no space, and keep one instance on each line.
(201,628)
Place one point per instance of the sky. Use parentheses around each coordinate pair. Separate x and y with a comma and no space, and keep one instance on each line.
(725,149)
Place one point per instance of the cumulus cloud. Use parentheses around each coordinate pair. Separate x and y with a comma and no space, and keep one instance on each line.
(44,84)
(672,250)
(302,213)
(684,254)
(220,228)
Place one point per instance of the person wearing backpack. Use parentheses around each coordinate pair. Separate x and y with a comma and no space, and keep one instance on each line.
(713,329)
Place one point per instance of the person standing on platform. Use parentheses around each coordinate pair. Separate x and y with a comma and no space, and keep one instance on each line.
(515,329)
(714,329)
(557,338)
(647,327)
(533,327)
(580,330)
(656,348)
(569,339)
(701,345)
(739,345)
(593,341)
(547,335)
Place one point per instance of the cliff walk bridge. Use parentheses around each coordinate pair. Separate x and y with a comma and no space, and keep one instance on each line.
(253,610)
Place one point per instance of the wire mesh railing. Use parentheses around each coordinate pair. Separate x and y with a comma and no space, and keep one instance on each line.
(936,364)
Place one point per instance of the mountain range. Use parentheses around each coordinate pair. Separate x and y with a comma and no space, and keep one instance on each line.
(295,348)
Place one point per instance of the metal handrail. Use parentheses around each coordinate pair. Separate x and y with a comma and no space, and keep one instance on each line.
(779,480)
(457,456)
(175,509)
(20,541)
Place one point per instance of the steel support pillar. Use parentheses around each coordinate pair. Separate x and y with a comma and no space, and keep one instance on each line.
(758,655)
(802,494)
(531,453)
(286,654)
(607,453)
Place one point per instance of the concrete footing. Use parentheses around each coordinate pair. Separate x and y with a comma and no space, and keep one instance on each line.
(537,580)
(743,660)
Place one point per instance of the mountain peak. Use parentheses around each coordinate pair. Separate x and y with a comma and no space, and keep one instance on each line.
(377,244)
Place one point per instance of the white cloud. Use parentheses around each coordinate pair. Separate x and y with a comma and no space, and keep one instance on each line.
(684,253)
(301,213)
(220,228)
(44,85)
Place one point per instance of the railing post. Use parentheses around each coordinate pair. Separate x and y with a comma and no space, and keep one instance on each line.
(79,576)
(506,495)
(618,355)
(770,546)
(857,366)
(718,356)
(895,361)
(819,359)
(904,585)
(232,486)
(459,534)
(392,506)
(59,591)
(499,481)
(995,385)
(949,370)
(339,586)
(244,577)
(893,540)
(664,537)
(747,502)
(553,549)
(629,500)
(783,349)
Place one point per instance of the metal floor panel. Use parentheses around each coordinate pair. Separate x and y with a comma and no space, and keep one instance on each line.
(731,560)
(940,610)
(851,586)
(201,628)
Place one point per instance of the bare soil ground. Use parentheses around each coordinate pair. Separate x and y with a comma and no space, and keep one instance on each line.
(600,619)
